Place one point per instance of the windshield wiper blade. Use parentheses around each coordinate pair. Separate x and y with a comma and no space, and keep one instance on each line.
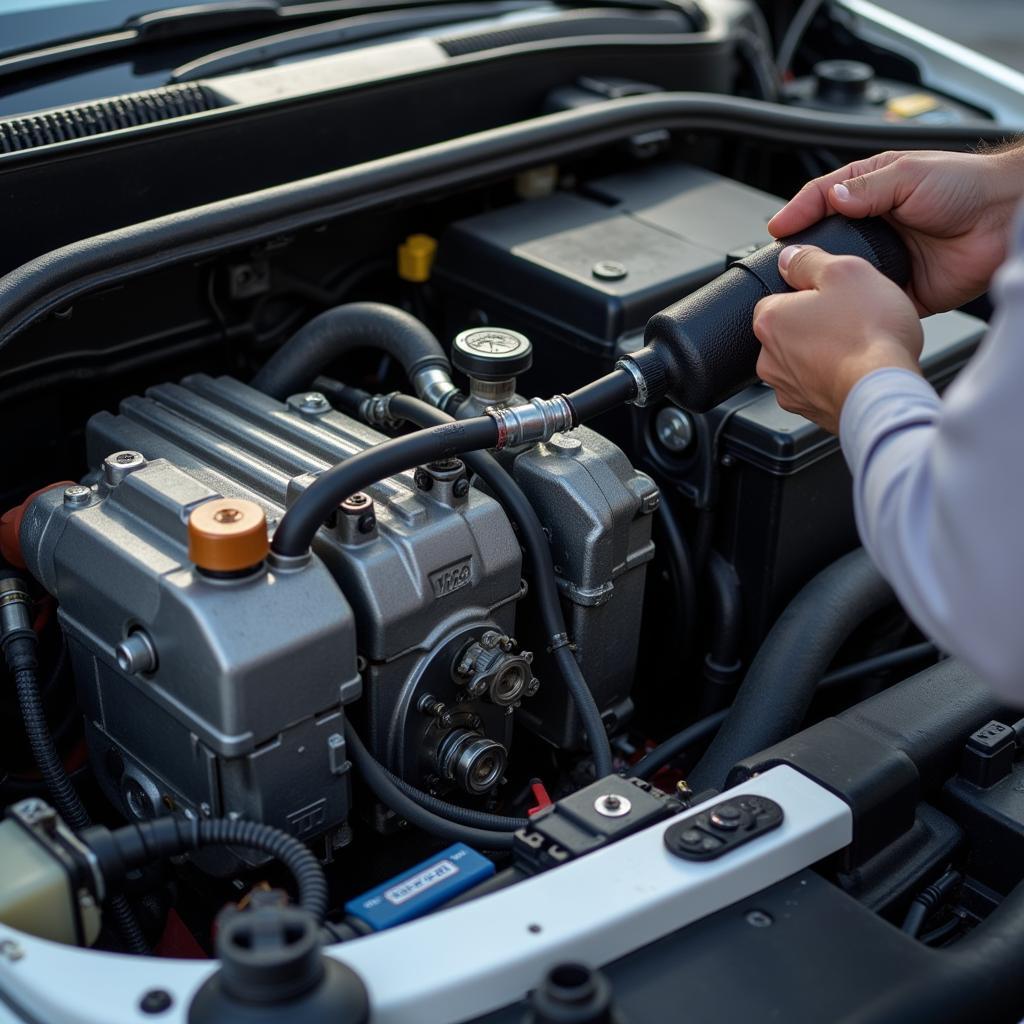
(337,33)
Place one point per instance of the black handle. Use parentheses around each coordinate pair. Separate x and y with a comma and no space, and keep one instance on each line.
(706,341)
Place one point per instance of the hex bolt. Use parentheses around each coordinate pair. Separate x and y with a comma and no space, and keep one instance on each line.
(674,429)
(423,480)
(461,487)
(77,494)
(611,805)
(136,653)
(358,507)
(313,401)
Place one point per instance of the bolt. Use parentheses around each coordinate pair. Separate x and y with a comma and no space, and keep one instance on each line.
(760,919)
(609,270)
(313,401)
(611,805)
(119,464)
(227,515)
(423,480)
(136,653)
(156,1000)
(612,802)
(367,522)
(461,487)
(77,495)
(355,501)
(674,429)
(684,789)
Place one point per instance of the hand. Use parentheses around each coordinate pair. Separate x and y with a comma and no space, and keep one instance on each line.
(953,211)
(845,320)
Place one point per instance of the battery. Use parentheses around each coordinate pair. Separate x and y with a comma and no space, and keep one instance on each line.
(421,889)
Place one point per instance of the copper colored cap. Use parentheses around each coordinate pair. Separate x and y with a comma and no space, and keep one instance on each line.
(227,534)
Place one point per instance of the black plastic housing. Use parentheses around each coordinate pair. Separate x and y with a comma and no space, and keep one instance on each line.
(707,340)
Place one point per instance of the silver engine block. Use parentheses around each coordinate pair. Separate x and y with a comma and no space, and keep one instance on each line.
(408,608)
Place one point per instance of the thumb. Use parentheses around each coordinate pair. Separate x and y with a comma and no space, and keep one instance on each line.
(801,266)
(871,194)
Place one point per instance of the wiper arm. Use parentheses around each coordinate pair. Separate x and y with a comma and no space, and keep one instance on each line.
(172,23)
(337,33)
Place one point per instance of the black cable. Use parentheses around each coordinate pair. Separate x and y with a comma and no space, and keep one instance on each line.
(453,812)
(670,749)
(336,332)
(299,524)
(19,648)
(928,899)
(378,779)
(545,586)
(879,663)
(124,849)
(680,561)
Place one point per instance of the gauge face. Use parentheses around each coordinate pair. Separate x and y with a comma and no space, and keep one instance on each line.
(488,342)
(492,353)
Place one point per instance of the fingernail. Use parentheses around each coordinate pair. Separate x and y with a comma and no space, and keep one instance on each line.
(787,254)
(842,192)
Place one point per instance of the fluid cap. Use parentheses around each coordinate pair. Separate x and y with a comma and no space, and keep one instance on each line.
(227,535)
(492,353)
(843,81)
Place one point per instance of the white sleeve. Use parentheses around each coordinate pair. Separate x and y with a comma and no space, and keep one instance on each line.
(939,492)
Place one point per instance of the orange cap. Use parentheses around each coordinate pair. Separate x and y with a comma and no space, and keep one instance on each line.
(227,534)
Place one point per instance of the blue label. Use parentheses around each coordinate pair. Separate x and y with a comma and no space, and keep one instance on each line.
(422,888)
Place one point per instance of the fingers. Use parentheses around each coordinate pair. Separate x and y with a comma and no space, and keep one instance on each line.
(871,194)
(807,266)
(813,201)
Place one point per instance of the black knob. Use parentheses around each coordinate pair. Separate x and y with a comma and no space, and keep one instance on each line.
(492,353)
(842,82)
(572,993)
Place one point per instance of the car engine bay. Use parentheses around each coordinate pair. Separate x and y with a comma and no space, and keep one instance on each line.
(401,540)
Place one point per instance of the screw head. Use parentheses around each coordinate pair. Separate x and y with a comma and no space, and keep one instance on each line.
(461,487)
(609,270)
(313,401)
(759,919)
(674,429)
(156,1000)
(423,480)
(611,805)
(119,464)
(77,494)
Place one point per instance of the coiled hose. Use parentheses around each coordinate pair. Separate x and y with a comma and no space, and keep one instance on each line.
(132,846)
(338,331)
(19,646)
(774,697)
(545,586)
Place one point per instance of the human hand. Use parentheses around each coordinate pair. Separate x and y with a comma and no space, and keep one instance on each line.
(844,320)
(952,210)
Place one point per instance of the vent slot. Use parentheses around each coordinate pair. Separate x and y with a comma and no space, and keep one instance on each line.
(584,24)
(78,122)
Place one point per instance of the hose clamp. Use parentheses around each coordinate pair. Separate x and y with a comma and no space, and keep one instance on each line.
(642,393)
(433,385)
(532,422)
(376,410)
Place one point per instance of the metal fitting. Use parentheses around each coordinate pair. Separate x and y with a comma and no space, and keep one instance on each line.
(473,762)
(642,393)
(434,385)
(136,653)
(15,610)
(445,478)
(312,403)
(77,495)
(118,465)
(535,421)
(489,666)
(673,429)
(376,410)
(358,519)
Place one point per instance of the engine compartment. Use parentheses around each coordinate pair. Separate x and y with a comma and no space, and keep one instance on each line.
(402,686)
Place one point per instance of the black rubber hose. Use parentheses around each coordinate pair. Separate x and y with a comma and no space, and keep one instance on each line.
(336,332)
(680,559)
(545,587)
(460,815)
(722,665)
(928,899)
(976,979)
(21,657)
(299,524)
(774,697)
(124,849)
(605,393)
(880,663)
(53,280)
(668,750)
(378,779)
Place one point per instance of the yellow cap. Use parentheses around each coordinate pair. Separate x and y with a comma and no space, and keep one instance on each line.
(416,258)
(227,534)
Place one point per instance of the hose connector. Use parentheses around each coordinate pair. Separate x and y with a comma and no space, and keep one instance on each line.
(532,422)
(433,384)
(376,410)
(18,640)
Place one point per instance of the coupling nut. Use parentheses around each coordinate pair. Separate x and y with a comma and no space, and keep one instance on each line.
(536,420)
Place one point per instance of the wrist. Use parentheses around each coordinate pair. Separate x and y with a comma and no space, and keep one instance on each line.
(882,353)
(1006,172)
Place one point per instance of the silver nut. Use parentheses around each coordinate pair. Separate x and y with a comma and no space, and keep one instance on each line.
(674,429)
(136,653)
(118,465)
(611,805)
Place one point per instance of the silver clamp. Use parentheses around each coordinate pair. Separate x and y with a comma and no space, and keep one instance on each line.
(642,394)
(534,421)
(376,410)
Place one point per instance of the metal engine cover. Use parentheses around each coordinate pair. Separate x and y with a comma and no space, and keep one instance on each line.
(427,570)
